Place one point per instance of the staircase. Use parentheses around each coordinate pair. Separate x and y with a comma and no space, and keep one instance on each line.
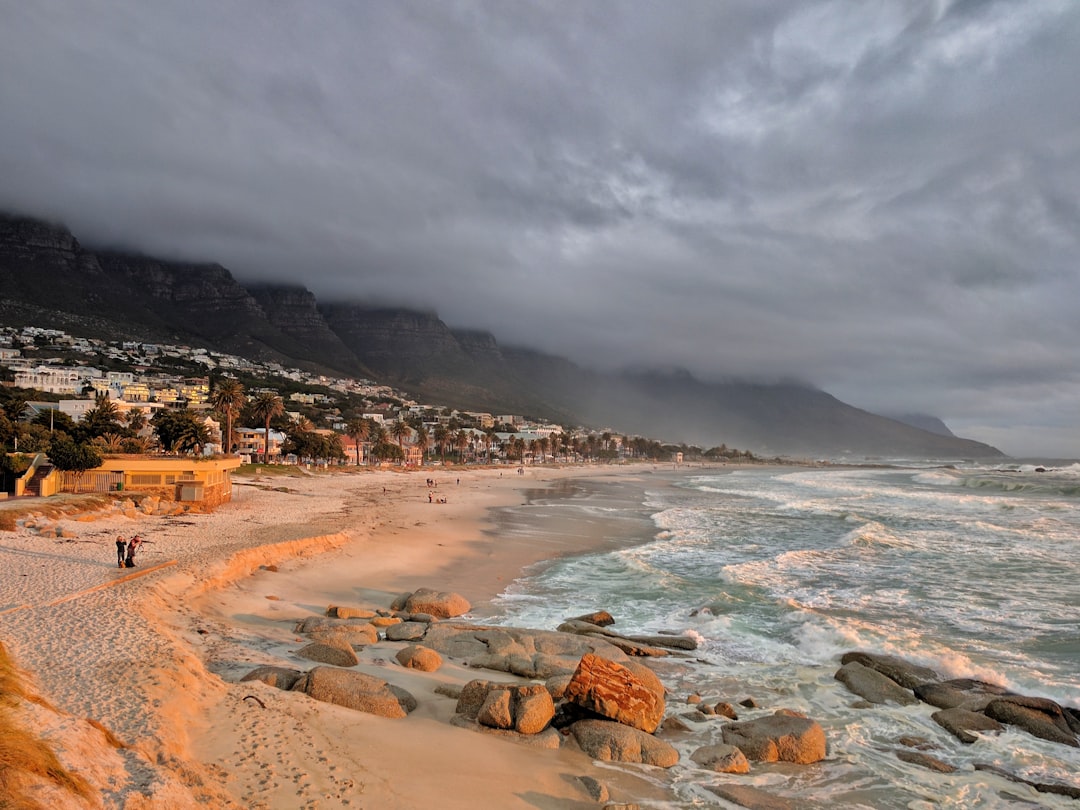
(33,486)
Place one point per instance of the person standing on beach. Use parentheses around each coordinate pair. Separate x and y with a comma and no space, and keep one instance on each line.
(121,547)
(136,541)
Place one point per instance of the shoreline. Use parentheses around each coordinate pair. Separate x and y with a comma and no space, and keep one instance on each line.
(151,680)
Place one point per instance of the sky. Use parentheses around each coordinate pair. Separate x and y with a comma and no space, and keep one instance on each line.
(880,199)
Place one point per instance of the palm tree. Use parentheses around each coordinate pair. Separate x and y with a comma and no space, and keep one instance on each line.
(423,441)
(400,431)
(266,406)
(227,399)
(461,442)
(442,439)
(358,430)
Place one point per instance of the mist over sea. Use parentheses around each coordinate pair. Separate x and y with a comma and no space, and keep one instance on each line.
(971,570)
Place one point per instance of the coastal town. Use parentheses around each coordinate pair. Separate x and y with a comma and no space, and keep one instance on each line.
(134,397)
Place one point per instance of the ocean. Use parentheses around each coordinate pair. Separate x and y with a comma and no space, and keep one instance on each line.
(971,570)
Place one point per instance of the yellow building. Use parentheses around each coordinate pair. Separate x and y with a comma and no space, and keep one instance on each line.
(201,480)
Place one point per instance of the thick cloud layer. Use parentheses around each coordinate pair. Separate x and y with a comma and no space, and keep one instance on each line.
(878,198)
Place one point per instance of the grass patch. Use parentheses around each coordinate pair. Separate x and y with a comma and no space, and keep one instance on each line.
(21,753)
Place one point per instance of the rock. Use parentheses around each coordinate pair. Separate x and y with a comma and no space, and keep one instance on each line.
(343,612)
(556,685)
(449,690)
(960,692)
(1058,789)
(749,703)
(532,654)
(905,673)
(872,685)
(279,677)
(615,742)
(925,761)
(1038,717)
(406,631)
(600,618)
(632,645)
(385,621)
(596,790)
(916,742)
(532,707)
(416,657)
(754,798)
(338,656)
(525,708)
(548,739)
(726,710)
(627,693)
(961,723)
(673,724)
(355,690)
(472,697)
(721,758)
(780,737)
(442,605)
(355,635)
(495,711)
(313,623)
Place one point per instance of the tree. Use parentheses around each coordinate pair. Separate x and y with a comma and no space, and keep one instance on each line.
(179,430)
(442,439)
(265,407)
(103,418)
(358,430)
(423,440)
(399,432)
(227,399)
(461,442)
(69,456)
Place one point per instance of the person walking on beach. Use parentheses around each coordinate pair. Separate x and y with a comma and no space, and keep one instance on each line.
(136,541)
(121,548)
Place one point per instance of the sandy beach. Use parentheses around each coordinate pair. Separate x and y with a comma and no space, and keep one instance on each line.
(153,654)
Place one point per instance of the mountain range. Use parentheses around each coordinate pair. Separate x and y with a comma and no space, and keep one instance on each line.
(48,279)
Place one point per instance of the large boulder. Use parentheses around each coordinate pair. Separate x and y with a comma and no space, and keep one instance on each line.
(1037,716)
(721,758)
(871,685)
(440,604)
(280,677)
(628,693)
(355,690)
(532,654)
(905,673)
(961,723)
(549,739)
(965,693)
(781,737)
(406,631)
(313,623)
(420,658)
(524,708)
(338,655)
(601,618)
(614,742)
(352,635)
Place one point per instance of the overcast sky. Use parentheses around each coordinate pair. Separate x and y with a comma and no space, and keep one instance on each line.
(879,198)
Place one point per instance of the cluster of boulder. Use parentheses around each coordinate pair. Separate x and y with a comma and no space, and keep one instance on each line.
(581,685)
(588,686)
(967,708)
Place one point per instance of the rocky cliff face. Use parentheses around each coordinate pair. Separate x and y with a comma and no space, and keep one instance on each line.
(390,340)
(294,311)
(48,279)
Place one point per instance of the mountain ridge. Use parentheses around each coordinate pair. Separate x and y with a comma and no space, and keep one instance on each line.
(49,278)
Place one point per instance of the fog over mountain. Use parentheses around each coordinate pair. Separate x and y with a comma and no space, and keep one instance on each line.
(881,200)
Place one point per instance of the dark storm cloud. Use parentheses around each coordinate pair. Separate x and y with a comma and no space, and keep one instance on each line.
(880,199)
